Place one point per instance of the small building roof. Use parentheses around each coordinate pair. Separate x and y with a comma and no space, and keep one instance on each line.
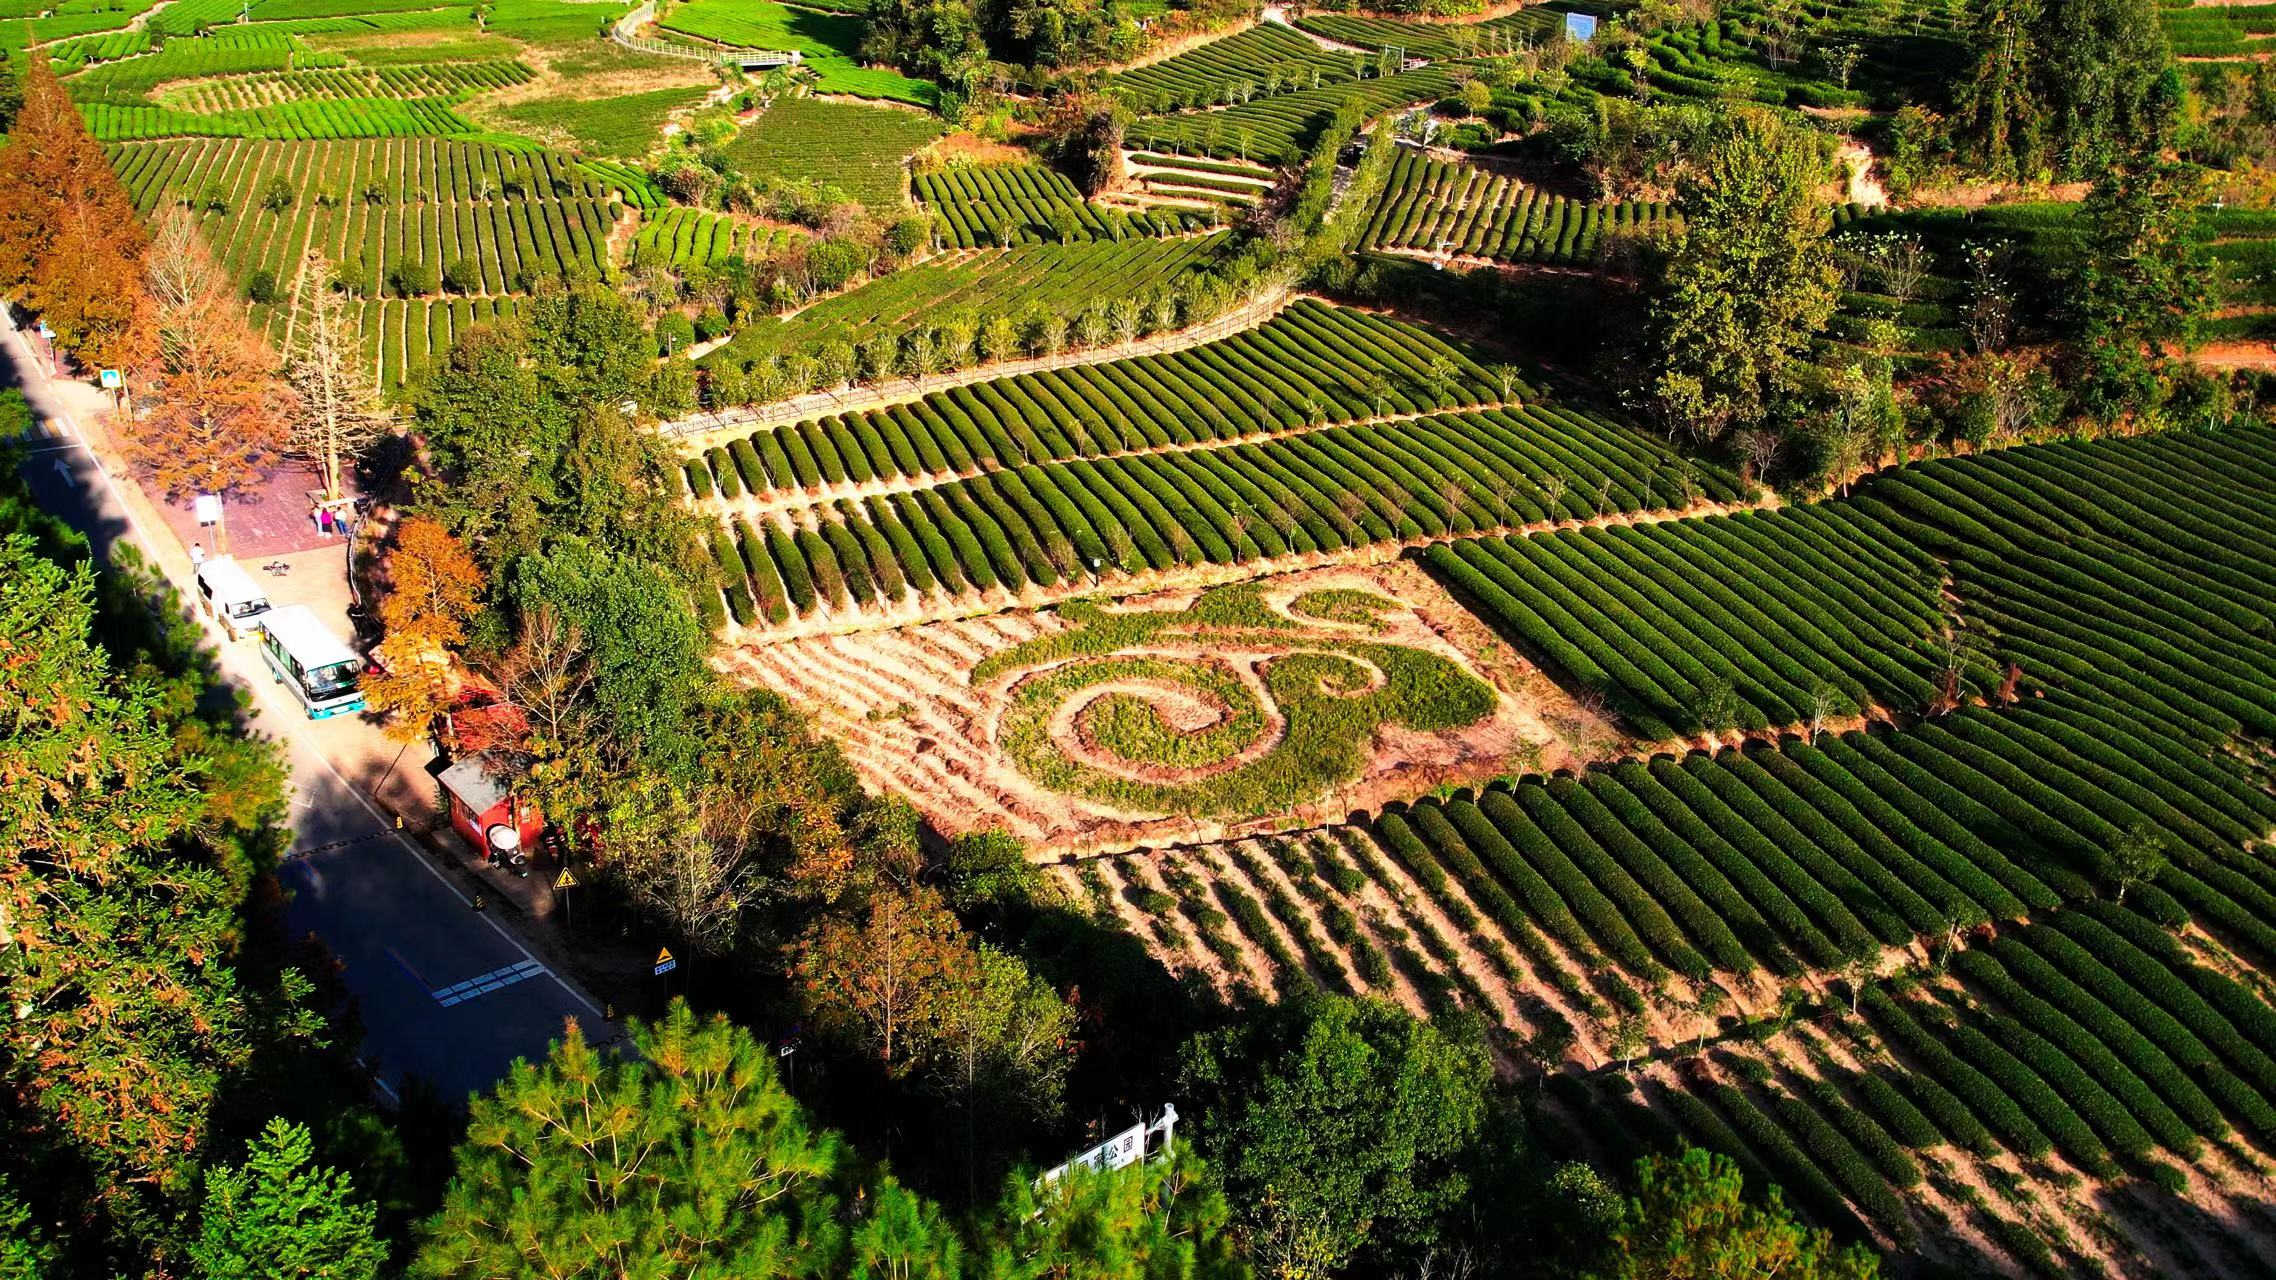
(471,783)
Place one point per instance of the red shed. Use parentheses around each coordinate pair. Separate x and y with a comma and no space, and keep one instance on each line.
(480,802)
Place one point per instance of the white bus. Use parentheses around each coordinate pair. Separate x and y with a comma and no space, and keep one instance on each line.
(316,665)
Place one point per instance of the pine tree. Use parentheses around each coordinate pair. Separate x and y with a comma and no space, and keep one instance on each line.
(276,1218)
(338,414)
(123,1013)
(684,1157)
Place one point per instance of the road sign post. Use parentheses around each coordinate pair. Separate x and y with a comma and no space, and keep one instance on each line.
(665,962)
(562,884)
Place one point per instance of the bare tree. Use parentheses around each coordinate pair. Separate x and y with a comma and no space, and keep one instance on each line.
(338,416)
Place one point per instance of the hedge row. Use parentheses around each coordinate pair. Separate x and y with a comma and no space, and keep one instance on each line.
(1319,491)
(1746,621)
(1311,364)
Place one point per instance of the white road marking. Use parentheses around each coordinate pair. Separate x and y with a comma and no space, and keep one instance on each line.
(484,984)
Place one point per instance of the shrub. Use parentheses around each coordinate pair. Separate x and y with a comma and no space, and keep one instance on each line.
(261,286)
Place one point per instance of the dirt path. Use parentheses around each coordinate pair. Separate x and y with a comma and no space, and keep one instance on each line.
(1864,189)
(697,433)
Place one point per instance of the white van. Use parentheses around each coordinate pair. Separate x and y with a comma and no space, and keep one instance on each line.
(228,595)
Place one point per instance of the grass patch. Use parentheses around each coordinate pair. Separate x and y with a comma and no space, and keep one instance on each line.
(856,148)
(619,128)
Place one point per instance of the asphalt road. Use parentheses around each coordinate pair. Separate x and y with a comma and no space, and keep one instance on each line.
(444,992)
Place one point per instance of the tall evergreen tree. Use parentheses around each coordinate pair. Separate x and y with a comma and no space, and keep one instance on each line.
(118,909)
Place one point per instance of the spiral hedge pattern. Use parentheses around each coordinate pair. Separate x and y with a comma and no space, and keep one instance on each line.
(1233,706)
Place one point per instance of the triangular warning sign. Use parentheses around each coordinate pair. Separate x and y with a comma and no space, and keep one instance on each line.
(663,955)
(565,880)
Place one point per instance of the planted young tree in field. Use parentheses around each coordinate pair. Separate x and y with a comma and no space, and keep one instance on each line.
(2137,858)
(218,414)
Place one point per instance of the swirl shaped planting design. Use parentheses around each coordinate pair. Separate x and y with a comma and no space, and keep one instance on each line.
(1232,706)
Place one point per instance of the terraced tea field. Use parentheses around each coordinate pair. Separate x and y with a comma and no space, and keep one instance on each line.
(1040,280)
(859,149)
(1276,129)
(1432,206)
(1004,205)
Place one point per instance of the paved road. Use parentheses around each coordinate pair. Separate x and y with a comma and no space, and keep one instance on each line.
(446,993)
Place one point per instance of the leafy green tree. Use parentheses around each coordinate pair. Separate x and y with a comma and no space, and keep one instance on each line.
(24,1251)
(526,426)
(2143,280)
(644,647)
(120,895)
(1164,1219)
(1750,283)
(1689,1218)
(277,1218)
(2061,87)
(685,1158)
(1997,111)
(1341,1125)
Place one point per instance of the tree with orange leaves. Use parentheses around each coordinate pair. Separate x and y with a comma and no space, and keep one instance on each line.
(219,413)
(434,590)
(71,247)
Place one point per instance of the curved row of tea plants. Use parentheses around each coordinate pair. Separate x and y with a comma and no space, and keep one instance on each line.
(1436,206)
(1002,205)
(1310,365)
(1262,61)
(1279,129)
(1739,622)
(1324,491)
